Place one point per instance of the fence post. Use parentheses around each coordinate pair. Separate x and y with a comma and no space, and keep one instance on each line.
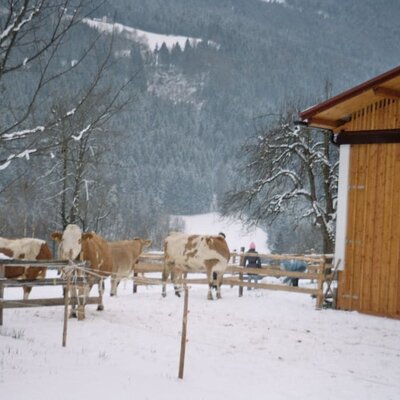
(183,336)
(241,263)
(66,303)
(2,275)
(320,287)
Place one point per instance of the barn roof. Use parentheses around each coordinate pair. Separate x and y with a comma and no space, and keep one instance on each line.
(337,110)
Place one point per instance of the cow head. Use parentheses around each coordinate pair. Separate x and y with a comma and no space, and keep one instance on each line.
(145,243)
(70,241)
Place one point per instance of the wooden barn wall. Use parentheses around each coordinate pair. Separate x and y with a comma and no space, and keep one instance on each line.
(370,282)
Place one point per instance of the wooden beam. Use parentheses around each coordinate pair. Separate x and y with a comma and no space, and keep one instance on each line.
(387,92)
(328,123)
(322,122)
(54,301)
(368,137)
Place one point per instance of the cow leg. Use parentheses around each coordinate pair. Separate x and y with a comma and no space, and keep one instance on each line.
(164,280)
(219,283)
(114,284)
(72,313)
(27,290)
(210,296)
(100,306)
(81,299)
(174,275)
(210,284)
(73,295)
(33,273)
(165,274)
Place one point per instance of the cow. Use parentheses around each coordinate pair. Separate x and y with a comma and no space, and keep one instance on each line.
(125,254)
(25,249)
(86,246)
(185,253)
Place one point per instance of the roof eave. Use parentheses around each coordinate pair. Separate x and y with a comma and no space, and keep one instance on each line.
(348,94)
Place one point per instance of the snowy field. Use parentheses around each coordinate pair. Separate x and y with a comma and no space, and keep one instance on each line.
(266,344)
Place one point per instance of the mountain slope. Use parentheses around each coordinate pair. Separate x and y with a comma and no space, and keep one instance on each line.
(208,75)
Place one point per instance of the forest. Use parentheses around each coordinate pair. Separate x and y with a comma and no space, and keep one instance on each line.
(99,128)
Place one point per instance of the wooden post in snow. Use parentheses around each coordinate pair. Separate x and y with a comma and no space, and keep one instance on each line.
(320,284)
(2,276)
(241,262)
(183,335)
(66,303)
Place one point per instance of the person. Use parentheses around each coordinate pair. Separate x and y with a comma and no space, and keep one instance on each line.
(252,261)
(293,266)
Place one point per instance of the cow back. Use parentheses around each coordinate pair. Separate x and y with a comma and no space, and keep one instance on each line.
(97,252)
(25,249)
(196,251)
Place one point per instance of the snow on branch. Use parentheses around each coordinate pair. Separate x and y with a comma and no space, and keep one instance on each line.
(18,22)
(81,133)
(24,154)
(278,201)
(283,173)
(23,133)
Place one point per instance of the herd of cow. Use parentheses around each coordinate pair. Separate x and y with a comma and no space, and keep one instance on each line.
(182,253)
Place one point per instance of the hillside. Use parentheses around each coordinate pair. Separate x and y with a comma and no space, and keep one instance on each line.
(207,75)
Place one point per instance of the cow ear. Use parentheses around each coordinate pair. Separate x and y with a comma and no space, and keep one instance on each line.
(147,243)
(87,235)
(56,236)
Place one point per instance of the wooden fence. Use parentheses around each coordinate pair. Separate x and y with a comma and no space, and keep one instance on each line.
(41,302)
(319,270)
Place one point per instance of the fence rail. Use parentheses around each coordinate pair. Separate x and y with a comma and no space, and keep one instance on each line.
(319,269)
(41,302)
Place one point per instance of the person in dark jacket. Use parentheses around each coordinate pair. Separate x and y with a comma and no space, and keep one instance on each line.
(252,261)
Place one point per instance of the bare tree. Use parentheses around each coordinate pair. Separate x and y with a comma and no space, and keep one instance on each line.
(61,116)
(82,148)
(289,167)
(32,35)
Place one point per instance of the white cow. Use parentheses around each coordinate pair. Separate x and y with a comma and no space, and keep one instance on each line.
(25,249)
(185,253)
(85,246)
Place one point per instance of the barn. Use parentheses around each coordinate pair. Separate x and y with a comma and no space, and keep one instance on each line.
(365,122)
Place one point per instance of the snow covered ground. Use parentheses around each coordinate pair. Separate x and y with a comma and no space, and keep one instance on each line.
(150,39)
(264,345)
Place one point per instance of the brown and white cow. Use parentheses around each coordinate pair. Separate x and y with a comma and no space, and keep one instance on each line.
(184,253)
(125,254)
(25,249)
(86,246)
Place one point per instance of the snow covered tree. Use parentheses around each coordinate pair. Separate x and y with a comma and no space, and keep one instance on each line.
(83,143)
(289,168)
(33,48)
(59,95)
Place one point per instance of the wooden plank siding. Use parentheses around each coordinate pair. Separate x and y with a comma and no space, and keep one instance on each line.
(370,282)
